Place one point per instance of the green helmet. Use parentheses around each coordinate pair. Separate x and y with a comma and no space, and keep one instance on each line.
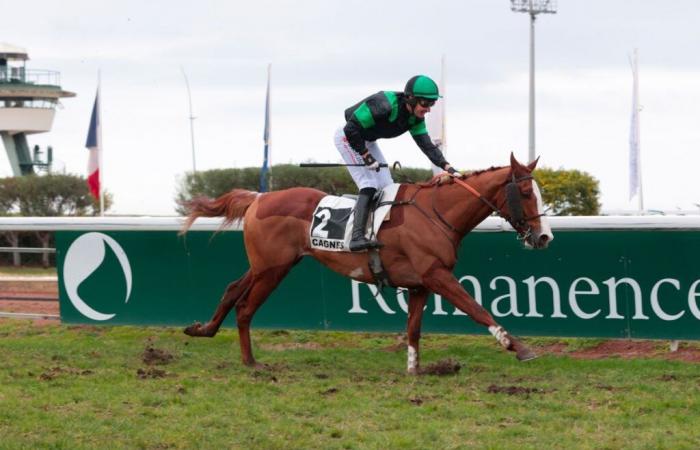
(421,86)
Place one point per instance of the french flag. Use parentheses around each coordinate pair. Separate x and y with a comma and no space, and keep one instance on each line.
(94,146)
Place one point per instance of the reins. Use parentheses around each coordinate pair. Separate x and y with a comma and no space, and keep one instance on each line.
(412,202)
(478,195)
(513,201)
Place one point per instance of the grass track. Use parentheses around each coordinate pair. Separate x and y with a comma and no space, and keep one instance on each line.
(78,387)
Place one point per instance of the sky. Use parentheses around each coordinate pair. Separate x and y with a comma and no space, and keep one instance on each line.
(327,55)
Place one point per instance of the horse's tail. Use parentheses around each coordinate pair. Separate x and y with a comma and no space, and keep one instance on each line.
(231,206)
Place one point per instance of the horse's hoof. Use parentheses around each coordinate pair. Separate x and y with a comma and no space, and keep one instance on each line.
(526,355)
(194,330)
(254,365)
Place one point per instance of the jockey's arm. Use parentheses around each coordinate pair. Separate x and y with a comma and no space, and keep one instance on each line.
(352,132)
(431,150)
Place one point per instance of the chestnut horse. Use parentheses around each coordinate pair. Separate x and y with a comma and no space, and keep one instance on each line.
(420,244)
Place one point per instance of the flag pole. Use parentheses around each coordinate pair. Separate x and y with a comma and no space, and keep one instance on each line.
(635,156)
(269,124)
(266,181)
(101,144)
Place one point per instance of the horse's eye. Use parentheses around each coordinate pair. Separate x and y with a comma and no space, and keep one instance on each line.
(527,194)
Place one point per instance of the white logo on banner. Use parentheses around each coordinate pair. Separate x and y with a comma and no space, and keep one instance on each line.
(83,257)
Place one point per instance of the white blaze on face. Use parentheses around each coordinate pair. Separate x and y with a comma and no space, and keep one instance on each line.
(545,229)
(412,358)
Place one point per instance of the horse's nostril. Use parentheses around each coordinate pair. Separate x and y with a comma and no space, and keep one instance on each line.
(543,240)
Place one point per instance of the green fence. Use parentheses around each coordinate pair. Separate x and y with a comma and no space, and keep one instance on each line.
(600,277)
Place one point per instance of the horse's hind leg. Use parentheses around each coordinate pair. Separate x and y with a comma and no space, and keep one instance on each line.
(416,303)
(441,281)
(235,292)
(263,285)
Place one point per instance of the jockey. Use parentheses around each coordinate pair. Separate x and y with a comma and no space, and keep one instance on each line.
(386,114)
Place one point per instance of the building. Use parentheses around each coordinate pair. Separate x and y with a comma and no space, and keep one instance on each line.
(28,100)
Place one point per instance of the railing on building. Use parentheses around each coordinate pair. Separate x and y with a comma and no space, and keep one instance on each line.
(20,75)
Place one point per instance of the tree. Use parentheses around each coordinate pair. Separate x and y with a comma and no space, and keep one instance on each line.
(565,192)
(333,180)
(49,195)
(569,192)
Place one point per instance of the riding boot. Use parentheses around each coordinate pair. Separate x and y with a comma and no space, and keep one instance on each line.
(362,207)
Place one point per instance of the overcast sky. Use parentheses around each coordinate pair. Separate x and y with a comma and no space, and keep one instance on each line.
(326,55)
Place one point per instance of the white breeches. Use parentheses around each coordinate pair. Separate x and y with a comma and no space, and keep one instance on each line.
(363,177)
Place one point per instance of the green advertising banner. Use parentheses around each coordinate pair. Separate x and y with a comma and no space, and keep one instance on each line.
(612,283)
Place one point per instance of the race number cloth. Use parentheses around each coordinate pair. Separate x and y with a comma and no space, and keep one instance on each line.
(331,228)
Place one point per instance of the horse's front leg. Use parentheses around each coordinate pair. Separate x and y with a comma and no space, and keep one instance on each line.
(441,281)
(416,305)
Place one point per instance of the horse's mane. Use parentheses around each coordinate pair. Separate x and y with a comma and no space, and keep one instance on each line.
(440,178)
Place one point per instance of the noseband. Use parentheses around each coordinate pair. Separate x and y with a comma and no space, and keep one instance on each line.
(514,213)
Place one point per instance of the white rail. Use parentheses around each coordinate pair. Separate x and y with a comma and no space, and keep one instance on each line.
(208,224)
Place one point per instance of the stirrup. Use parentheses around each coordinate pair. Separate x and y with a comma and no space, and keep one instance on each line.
(364,244)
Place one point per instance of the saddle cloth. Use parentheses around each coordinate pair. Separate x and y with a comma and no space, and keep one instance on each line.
(331,227)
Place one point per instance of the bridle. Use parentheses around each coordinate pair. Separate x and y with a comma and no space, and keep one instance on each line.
(513,204)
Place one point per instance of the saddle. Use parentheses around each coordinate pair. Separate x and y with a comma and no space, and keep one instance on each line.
(331,227)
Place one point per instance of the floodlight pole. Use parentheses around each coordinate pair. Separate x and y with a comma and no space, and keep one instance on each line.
(532,7)
(531,116)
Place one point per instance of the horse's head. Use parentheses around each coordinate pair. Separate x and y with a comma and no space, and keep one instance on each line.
(523,207)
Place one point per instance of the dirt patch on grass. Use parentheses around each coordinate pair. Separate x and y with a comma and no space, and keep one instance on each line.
(54,372)
(686,352)
(443,367)
(626,349)
(416,401)
(265,375)
(155,356)
(151,372)
(668,377)
(513,390)
(268,372)
(621,349)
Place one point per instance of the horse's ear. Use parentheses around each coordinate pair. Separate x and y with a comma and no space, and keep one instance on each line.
(533,164)
(514,162)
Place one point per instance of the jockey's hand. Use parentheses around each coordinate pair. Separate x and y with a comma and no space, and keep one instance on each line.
(370,161)
(452,171)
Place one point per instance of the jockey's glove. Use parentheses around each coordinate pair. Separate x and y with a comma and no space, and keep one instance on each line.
(452,171)
(370,161)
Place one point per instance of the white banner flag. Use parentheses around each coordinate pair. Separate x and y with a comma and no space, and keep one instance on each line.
(634,163)
(435,120)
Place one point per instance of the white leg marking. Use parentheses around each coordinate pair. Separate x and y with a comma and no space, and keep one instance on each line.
(412,358)
(501,335)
